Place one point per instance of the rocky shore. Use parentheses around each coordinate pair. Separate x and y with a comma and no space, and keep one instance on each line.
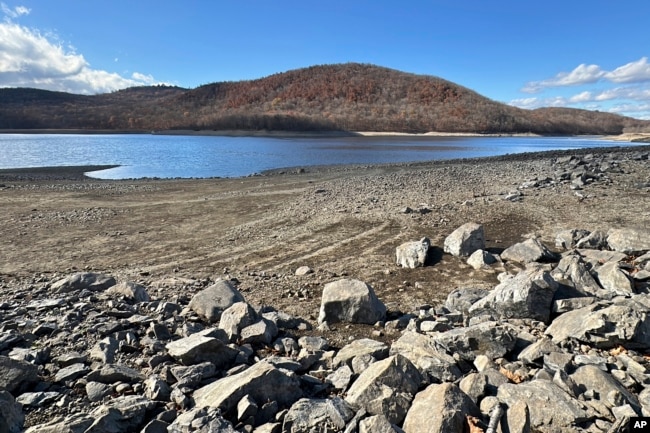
(449,297)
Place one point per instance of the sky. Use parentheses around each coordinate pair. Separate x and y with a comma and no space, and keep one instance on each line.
(570,53)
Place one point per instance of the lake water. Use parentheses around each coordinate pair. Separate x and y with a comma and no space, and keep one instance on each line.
(171,156)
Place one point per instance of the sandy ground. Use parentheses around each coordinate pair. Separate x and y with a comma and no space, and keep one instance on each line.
(340,221)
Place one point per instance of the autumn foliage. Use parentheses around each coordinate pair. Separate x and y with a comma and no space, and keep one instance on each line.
(346,97)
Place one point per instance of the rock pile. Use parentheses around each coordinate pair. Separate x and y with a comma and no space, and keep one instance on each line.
(558,345)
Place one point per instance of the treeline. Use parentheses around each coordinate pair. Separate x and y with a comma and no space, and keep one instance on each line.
(347,97)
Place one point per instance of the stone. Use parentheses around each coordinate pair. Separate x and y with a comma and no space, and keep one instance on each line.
(596,240)
(38,356)
(111,373)
(198,348)
(466,239)
(536,351)
(122,414)
(261,332)
(96,391)
(156,389)
(317,414)
(487,338)
(413,254)
(362,346)
(201,420)
(440,409)
(76,423)
(529,295)
(590,377)
(11,414)
(71,372)
(474,385)
(629,241)
(377,386)
(378,424)
(87,280)
(613,279)
(567,239)
(461,299)
(246,408)
(434,364)
(262,381)
(606,325)
(16,376)
(303,270)
(235,318)
(550,408)
(211,302)
(104,350)
(516,418)
(481,259)
(37,399)
(349,300)
(574,269)
(313,344)
(340,378)
(531,250)
(130,290)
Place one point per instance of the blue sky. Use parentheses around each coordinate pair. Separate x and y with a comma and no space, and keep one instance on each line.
(572,53)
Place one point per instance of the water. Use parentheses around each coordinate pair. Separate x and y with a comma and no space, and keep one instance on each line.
(171,156)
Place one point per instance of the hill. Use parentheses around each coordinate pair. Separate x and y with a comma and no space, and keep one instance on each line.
(347,97)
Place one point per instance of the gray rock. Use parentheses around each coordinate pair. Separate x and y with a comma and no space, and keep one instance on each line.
(488,338)
(481,259)
(16,376)
(37,399)
(11,414)
(433,363)
(313,344)
(87,280)
(320,414)
(378,424)
(209,303)
(516,418)
(303,270)
(413,254)
(198,348)
(614,279)
(440,409)
(462,299)
(536,351)
(76,423)
(96,391)
(381,382)
(474,385)
(531,250)
(111,373)
(260,332)
(596,240)
(122,414)
(349,300)
(466,239)
(262,381)
(156,389)
(590,377)
(629,241)
(529,295)
(246,408)
(104,350)
(130,290)
(38,356)
(71,372)
(340,378)
(606,325)
(550,408)
(235,318)
(358,347)
(567,239)
(201,420)
(573,268)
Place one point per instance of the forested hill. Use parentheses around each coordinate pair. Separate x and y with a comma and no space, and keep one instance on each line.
(346,97)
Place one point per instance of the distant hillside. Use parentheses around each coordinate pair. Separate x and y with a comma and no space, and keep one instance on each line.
(347,97)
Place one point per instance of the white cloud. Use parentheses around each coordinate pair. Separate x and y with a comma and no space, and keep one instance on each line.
(30,59)
(583,74)
(633,72)
(582,97)
(15,12)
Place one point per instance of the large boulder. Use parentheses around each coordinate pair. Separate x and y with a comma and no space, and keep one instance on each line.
(130,290)
(440,409)
(16,376)
(605,324)
(199,348)
(612,393)
(462,298)
(573,272)
(311,414)
(120,415)
(487,338)
(349,300)
(529,295)
(413,254)
(434,364)
(360,347)
(531,250)
(629,241)
(262,382)
(86,280)
(211,302)
(466,239)
(614,279)
(11,414)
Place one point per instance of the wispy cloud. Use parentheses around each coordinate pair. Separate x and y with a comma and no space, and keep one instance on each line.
(31,59)
(633,72)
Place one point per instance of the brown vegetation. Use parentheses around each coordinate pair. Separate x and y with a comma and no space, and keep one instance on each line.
(347,97)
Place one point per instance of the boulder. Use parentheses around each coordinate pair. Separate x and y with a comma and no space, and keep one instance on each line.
(461,299)
(261,332)
(481,259)
(612,393)
(567,239)
(120,415)
(413,254)
(262,381)
(11,414)
(201,420)
(235,318)
(378,424)
(550,408)
(466,239)
(440,409)
(317,415)
(529,295)
(606,324)
(629,241)
(211,302)
(434,364)
(529,251)
(112,373)
(198,348)
(131,291)
(596,240)
(16,376)
(613,279)
(572,270)
(362,346)
(349,300)
(86,280)
(386,387)
(303,270)
(491,339)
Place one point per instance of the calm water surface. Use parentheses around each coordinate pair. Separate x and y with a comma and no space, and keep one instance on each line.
(171,156)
